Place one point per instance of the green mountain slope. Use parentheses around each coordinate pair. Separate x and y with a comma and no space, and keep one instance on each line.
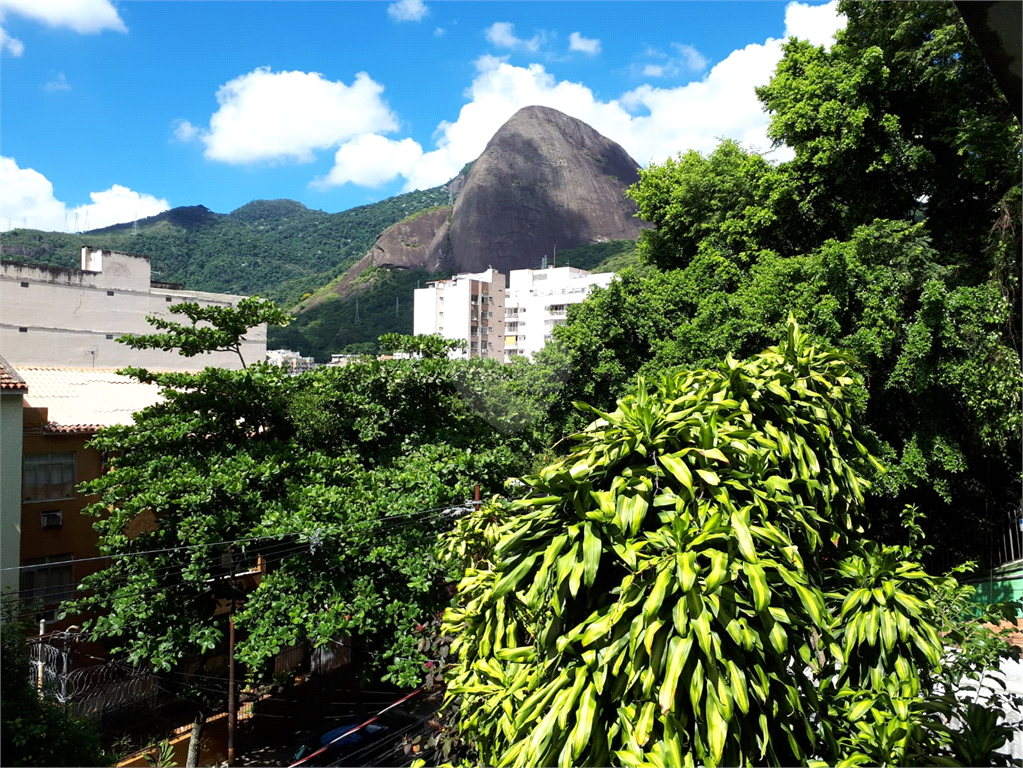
(274,248)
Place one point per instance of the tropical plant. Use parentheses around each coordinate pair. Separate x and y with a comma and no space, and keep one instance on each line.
(690,586)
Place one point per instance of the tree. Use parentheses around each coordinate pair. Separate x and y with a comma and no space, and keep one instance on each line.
(893,234)
(338,479)
(224,329)
(689,586)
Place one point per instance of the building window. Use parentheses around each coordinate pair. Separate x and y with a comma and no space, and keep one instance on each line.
(483,346)
(24,284)
(168,299)
(110,335)
(23,330)
(110,293)
(50,581)
(48,476)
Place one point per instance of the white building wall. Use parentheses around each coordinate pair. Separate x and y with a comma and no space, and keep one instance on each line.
(72,318)
(448,309)
(538,301)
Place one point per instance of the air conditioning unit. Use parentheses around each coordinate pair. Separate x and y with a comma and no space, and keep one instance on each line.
(54,519)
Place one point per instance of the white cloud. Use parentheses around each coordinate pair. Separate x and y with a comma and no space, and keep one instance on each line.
(577,42)
(27,200)
(371,160)
(686,59)
(12,45)
(58,84)
(816,23)
(185,131)
(502,34)
(438,32)
(85,16)
(275,116)
(408,10)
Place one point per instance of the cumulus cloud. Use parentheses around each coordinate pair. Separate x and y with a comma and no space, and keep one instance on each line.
(59,83)
(816,23)
(371,160)
(87,17)
(587,45)
(27,200)
(185,131)
(12,45)
(408,10)
(276,116)
(502,35)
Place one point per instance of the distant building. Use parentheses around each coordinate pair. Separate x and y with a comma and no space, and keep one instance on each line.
(73,317)
(537,302)
(470,307)
(293,361)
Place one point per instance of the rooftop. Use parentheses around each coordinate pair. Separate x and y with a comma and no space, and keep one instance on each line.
(88,398)
(10,381)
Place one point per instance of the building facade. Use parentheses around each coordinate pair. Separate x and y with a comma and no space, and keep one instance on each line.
(12,392)
(73,317)
(537,302)
(468,307)
(293,361)
(63,408)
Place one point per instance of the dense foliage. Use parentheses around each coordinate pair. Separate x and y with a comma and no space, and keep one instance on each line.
(335,482)
(378,302)
(35,730)
(689,586)
(893,234)
(274,248)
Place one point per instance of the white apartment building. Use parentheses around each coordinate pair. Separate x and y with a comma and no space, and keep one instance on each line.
(57,316)
(538,301)
(293,361)
(470,307)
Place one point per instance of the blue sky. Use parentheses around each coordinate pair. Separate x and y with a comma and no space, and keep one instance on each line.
(112,109)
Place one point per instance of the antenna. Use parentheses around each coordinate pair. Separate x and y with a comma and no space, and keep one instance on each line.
(86,219)
(65,221)
(76,222)
(135,224)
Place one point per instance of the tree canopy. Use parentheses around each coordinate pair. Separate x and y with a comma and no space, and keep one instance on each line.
(893,233)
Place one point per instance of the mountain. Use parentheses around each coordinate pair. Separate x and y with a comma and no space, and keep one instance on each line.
(545,181)
(274,248)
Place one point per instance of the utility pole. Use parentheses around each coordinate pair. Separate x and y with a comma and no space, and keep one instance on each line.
(232,714)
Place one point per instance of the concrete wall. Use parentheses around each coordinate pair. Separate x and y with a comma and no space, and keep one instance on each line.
(72,318)
(10,488)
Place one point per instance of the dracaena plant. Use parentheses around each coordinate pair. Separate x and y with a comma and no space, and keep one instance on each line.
(689,587)
(656,598)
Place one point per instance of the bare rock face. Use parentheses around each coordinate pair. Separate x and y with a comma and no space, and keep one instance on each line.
(405,245)
(545,180)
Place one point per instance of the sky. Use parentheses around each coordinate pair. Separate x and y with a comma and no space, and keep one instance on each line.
(112,111)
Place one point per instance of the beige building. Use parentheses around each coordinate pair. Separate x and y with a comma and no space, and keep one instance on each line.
(469,307)
(73,317)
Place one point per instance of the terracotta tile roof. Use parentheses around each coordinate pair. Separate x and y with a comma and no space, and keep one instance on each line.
(10,381)
(85,399)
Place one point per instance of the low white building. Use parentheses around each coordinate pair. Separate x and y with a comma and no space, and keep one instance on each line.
(470,307)
(293,361)
(537,302)
(72,317)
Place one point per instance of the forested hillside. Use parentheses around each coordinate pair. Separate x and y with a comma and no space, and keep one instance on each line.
(274,248)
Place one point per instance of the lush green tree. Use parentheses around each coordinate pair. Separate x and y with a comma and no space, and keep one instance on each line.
(223,329)
(690,586)
(336,478)
(37,730)
(893,234)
